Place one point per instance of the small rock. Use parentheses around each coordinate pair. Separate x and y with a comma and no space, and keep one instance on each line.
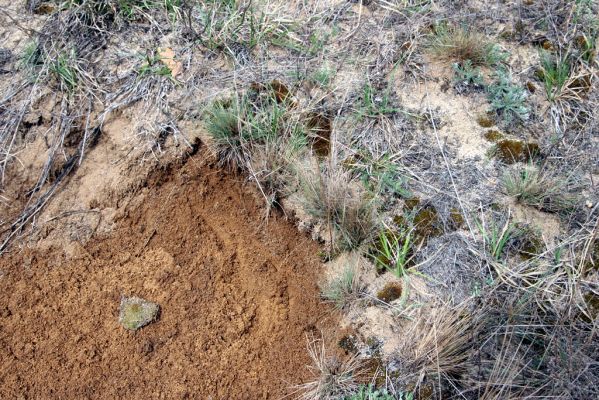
(135,312)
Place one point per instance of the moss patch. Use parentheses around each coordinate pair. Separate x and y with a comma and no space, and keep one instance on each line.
(493,135)
(512,151)
(391,291)
(485,120)
(529,242)
(348,344)
(321,126)
(412,203)
(427,223)
(456,219)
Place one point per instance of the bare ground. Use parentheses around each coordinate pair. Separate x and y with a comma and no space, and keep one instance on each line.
(238,295)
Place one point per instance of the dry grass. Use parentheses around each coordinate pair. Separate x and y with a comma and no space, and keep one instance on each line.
(332,195)
(439,346)
(333,378)
(459,45)
(529,331)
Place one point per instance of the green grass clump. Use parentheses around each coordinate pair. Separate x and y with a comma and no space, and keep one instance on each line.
(393,251)
(497,237)
(64,69)
(555,73)
(259,133)
(507,99)
(240,124)
(60,67)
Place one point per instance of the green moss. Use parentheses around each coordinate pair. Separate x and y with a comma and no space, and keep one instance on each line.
(400,221)
(412,203)
(391,291)
(427,223)
(511,151)
(529,242)
(456,219)
(485,120)
(493,135)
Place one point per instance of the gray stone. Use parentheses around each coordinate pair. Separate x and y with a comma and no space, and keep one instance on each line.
(135,312)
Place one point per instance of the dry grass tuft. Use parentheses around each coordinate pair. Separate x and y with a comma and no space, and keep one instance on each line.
(332,195)
(439,346)
(458,45)
(333,378)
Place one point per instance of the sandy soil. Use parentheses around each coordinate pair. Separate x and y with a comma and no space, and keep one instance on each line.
(238,295)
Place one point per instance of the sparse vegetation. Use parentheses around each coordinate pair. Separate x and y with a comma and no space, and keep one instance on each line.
(467,77)
(236,28)
(376,103)
(370,393)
